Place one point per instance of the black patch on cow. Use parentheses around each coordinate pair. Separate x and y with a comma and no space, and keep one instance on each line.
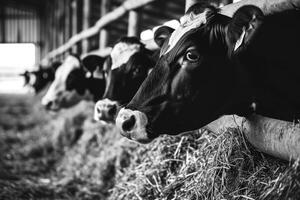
(124,81)
(77,79)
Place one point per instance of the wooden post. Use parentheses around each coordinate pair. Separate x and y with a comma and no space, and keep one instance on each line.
(61,21)
(67,21)
(74,23)
(86,24)
(133,23)
(67,29)
(56,24)
(103,37)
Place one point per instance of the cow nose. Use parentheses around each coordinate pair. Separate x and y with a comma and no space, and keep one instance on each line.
(105,110)
(48,105)
(129,124)
(112,110)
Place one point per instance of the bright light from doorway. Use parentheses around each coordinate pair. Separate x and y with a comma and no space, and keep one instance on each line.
(15,59)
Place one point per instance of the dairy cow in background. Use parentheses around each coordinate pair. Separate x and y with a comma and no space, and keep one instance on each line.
(39,79)
(76,80)
(214,65)
(131,63)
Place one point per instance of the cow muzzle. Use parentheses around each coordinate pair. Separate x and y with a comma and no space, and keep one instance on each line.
(132,124)
(50,104)
(106,110)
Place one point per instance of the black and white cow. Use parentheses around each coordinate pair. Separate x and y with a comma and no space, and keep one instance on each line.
(76,80)
(214,65)
(39,79)
(130,64)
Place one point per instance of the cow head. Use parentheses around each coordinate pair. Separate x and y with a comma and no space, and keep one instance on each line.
(130,65)
(75,81)
(39,79)
(193,82)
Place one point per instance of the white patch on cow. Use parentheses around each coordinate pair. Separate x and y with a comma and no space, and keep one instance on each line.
(32,79)
(121,53)
(240,40)
(68,65)
(187,23)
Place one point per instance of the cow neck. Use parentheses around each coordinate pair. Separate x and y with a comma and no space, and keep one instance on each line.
(95,86)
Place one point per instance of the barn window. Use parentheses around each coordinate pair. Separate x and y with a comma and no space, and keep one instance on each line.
(15,58)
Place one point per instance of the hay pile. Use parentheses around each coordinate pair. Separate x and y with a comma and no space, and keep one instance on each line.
(203,165)
(73,157)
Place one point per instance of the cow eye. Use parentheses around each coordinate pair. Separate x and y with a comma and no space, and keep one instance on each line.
(192,55)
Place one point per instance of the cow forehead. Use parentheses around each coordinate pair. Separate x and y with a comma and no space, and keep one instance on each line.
(69,65)
(187,23)
(121,53)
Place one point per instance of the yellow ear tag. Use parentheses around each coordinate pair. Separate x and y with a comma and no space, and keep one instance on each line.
(240,40)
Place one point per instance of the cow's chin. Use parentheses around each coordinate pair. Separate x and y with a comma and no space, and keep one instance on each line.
(140,136)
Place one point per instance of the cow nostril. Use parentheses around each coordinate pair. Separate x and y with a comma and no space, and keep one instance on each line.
(48,105)
(129,124)
(112,110)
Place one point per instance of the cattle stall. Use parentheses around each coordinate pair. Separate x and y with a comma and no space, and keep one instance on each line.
(70,153)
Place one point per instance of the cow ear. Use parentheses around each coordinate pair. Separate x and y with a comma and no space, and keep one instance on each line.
(245,23)
(91,62)
(161,34)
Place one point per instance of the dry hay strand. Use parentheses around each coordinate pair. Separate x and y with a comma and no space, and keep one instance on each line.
(285,186)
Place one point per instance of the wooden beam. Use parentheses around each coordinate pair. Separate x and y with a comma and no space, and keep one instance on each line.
(267,6)
(133,23)
(105,20)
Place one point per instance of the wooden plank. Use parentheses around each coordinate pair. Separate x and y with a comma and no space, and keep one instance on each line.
(105,20)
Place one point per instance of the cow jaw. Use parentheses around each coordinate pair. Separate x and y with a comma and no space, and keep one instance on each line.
(137,131)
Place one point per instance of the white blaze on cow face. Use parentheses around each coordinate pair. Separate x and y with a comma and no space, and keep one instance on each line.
(121,53)
(187,23)
(57,95)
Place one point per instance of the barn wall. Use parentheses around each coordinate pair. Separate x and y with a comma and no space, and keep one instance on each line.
(20,24)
